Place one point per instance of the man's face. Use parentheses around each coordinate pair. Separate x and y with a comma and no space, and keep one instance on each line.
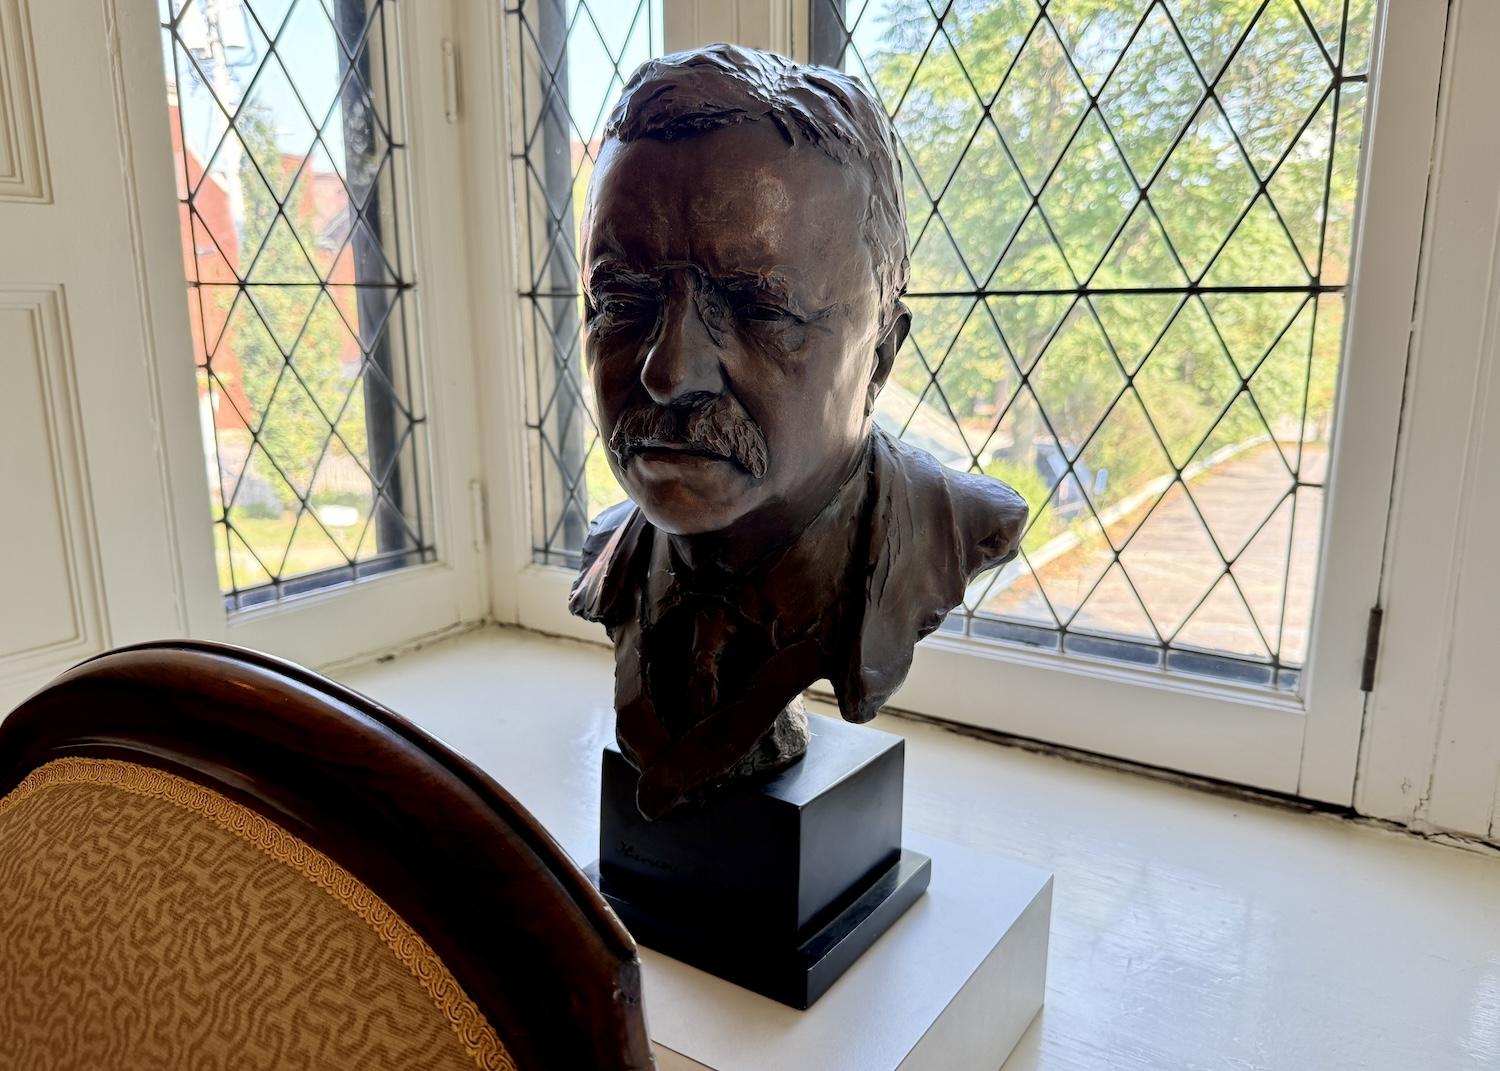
(732,322)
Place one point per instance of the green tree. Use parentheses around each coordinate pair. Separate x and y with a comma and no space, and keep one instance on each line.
(288,335)
(988,124)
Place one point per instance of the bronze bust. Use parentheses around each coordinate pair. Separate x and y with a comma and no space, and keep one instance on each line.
(744,258)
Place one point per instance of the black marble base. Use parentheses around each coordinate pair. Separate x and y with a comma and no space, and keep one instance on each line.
(779,885)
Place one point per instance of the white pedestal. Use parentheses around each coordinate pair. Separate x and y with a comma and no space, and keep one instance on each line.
(950,987)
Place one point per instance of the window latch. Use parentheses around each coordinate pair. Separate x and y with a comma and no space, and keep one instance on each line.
(450,82)
(477,526)
(1372,651)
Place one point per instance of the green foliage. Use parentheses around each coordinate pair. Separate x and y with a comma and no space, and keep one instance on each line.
(288,336)
(1029,484)
(1226,368)
(603,489)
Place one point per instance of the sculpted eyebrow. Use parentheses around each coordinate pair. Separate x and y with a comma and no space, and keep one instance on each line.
(770,283)
(743,285)
(612,272)
(774,286)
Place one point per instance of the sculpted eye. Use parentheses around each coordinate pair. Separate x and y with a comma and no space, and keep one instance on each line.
(763,312)
(618,310)
(608,315)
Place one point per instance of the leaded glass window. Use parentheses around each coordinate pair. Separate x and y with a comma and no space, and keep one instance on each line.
(571,59)
(290,171)
(1131,227)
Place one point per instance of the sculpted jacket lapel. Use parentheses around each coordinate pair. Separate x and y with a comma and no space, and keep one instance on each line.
(616,562)
(931,530)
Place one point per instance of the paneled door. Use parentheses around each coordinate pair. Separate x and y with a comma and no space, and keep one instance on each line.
(89,554)
(239,398)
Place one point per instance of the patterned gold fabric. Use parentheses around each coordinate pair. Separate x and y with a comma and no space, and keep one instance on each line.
(150,924)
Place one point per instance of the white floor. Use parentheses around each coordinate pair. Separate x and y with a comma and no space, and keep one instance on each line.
(1189,931)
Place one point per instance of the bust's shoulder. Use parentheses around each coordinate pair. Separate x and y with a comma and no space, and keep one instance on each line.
(609,550)
(988,515)
(603,529)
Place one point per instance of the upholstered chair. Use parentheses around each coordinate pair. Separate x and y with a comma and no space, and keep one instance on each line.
(211,859)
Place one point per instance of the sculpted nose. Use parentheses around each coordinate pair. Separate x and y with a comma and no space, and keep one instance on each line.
(683,361)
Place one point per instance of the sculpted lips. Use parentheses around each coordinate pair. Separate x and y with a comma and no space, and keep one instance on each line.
(718,430)
(677,452)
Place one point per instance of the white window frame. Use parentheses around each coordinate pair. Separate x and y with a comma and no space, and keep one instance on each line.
(1431,755)
(374,615)
(1303,744)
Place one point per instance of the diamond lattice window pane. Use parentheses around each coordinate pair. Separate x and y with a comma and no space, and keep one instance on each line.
(1130,229)
(1153,202)
(571,59)
(290,173)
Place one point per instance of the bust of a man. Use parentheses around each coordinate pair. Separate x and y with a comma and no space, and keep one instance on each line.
(744,258)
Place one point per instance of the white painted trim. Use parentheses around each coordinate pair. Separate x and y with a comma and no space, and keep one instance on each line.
(500,354)
(788,29)
(768,24)
(1432,741)
(145,149)
(1406,69)
(1466,771)
(23,143)
(1171,721)
(1494,835)
(371,615)
(81,239)
(351,623)
(542,600)
(440,225)
(56,375)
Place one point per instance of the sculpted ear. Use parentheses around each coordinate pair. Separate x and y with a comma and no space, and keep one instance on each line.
(885,353)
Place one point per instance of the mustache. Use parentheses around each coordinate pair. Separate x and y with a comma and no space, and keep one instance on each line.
(718,428)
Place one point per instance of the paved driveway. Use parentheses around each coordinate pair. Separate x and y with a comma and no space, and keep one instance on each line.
(1174,563)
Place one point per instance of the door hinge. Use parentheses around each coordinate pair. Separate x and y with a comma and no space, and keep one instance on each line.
(477,527)
(450,82)
(1372,651)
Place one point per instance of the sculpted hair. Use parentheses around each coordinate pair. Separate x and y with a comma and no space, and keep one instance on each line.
(688,93)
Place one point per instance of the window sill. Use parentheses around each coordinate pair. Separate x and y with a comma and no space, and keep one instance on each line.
(1188,929)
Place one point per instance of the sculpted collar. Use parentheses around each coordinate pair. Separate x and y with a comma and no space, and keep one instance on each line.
(928,531)
(812,565)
